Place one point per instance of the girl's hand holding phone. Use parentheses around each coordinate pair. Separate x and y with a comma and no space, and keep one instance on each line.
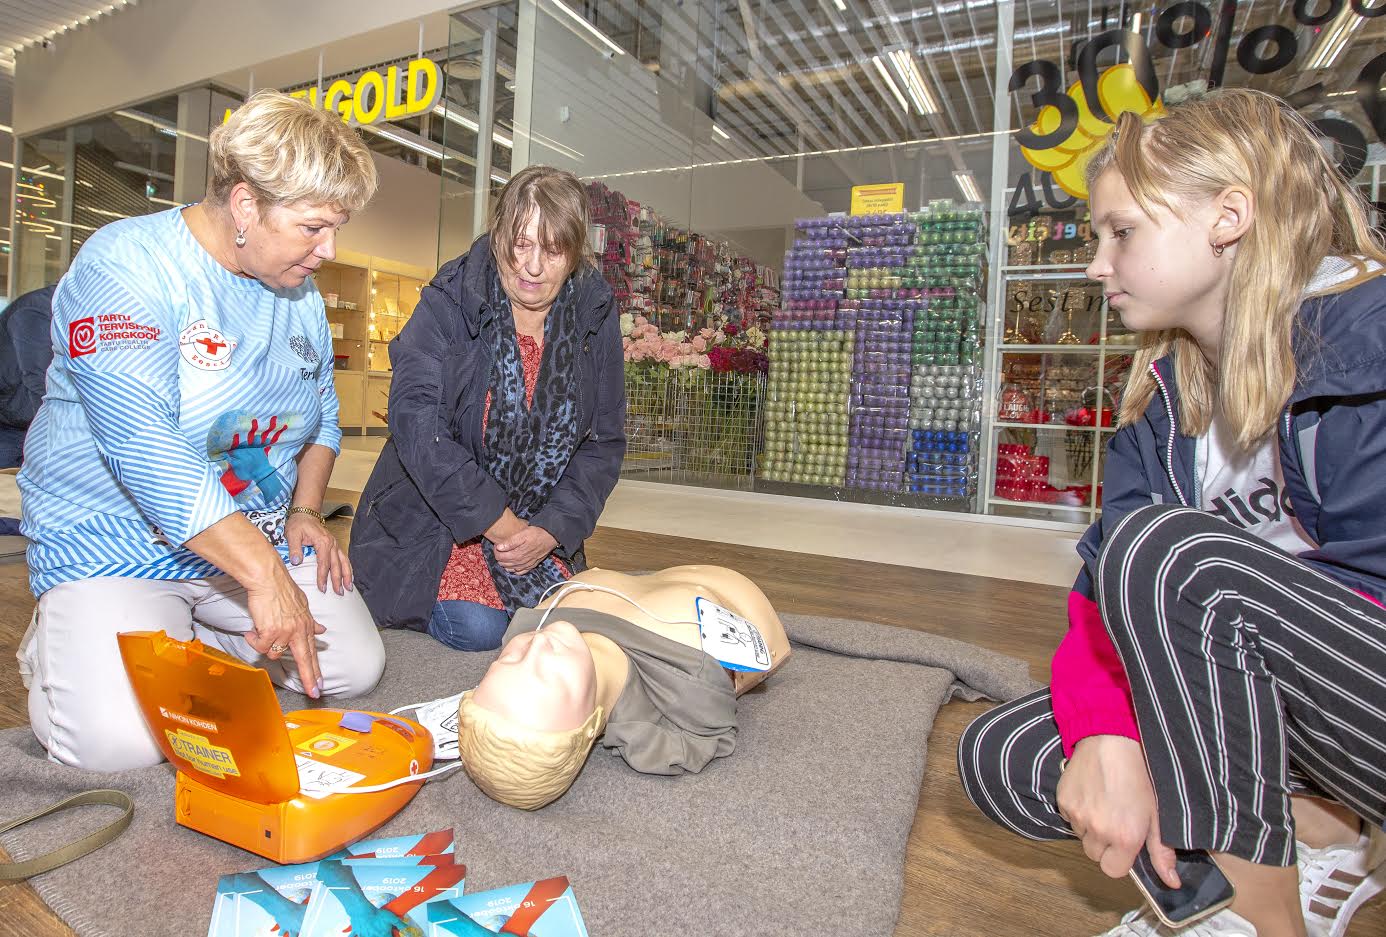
(1106,796)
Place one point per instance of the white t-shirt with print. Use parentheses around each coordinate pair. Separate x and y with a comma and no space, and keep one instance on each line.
(1247,489)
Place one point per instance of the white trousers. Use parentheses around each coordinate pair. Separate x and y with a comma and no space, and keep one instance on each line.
(81,706)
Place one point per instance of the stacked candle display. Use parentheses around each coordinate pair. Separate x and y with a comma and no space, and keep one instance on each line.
(885,308)
(880,400)
(806,407)
(943,416)
(902,289)
(946,263)
(814,276)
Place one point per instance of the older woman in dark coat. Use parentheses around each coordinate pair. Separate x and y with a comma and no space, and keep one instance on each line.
(506,426)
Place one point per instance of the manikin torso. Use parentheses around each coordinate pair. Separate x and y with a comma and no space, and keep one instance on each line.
(551,680)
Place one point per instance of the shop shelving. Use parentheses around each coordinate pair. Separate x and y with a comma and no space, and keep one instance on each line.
(1045,438)
(368,300)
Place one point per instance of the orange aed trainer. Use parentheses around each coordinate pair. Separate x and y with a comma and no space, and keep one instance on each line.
(259,778)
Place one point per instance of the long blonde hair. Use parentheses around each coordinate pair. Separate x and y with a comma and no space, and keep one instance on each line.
(1304,211)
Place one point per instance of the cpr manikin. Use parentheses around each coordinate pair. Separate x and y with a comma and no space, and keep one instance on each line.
(626,666)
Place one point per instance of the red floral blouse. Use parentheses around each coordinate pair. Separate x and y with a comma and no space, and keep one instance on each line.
(466,576)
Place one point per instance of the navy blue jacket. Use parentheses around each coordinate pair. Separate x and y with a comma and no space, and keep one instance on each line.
(26,349)
(428,490)
(1332,436)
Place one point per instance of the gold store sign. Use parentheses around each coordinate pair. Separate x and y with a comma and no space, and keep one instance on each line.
(401,91)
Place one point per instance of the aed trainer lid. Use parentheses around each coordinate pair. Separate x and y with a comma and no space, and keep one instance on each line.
(215,718)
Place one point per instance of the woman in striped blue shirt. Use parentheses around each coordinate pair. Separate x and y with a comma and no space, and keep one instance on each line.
(174,474)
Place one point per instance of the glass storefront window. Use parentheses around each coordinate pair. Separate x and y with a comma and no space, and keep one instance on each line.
(479,94)
(72,181)
(717,138)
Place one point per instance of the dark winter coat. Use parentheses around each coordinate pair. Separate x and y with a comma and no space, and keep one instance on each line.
(428,490)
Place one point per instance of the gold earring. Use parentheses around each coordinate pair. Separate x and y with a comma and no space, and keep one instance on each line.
(1219,248)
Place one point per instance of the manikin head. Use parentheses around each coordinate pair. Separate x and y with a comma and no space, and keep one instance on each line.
(525,732)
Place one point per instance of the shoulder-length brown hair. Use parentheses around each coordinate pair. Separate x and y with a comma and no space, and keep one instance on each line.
(561,201)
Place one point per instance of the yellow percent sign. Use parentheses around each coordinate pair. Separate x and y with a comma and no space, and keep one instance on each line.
(1119,91)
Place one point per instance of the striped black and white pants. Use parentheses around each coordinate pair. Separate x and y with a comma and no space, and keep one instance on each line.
(1253,676)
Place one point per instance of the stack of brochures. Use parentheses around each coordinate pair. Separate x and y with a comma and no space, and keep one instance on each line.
(406,886)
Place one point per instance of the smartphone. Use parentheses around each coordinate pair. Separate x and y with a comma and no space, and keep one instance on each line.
(1203,890)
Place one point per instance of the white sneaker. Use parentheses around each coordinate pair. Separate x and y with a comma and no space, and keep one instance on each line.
(1337,880)
(1143,923)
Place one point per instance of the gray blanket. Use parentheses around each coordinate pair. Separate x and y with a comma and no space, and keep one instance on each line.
(801,831)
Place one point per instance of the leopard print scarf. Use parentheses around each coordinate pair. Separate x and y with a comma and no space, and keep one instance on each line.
(527,448)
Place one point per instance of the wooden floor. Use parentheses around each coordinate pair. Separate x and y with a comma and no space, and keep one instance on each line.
(963,876)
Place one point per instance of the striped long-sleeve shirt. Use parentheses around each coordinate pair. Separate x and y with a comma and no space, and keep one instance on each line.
(178,394)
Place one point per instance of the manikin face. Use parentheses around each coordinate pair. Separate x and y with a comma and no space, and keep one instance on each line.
(289,242)
(543,680)
(1158,272)
(534,275)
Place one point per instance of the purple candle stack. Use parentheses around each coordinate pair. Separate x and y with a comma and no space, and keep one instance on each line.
(815,271)
(880,401)
(885,310)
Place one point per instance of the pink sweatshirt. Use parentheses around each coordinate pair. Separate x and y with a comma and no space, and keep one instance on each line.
(1088,685)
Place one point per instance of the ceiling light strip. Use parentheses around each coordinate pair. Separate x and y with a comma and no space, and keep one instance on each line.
(967,184)
(457,117)
(582,21)
(890,83)
(954,138)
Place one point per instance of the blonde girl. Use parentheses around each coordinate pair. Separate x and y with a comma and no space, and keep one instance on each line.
(1222,685)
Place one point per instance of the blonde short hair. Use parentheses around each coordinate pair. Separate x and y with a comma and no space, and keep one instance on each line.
(288,151)
(517,765)
(561,201)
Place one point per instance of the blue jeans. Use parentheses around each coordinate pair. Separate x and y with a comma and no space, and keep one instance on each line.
(468,626)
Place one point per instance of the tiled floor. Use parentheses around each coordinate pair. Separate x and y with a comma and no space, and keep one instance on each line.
(976,546)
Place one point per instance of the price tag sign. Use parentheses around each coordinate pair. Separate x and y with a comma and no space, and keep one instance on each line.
(732,640)
(880,199)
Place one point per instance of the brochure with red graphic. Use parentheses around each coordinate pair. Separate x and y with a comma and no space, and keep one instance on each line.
(546,908)
(278,901)
(437,843)
(376,898)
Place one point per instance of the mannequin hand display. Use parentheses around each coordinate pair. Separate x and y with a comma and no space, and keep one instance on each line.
(1106,796)
(525,550)
(366,919)
(304,530)
(280,612)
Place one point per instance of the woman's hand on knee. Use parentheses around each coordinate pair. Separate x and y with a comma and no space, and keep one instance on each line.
(1106,796)
(304,530)
(283,623)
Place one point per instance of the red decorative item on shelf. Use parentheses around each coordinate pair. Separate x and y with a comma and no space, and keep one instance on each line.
(1023,476)
(1020,474)
(1015,406)
(1086,416)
